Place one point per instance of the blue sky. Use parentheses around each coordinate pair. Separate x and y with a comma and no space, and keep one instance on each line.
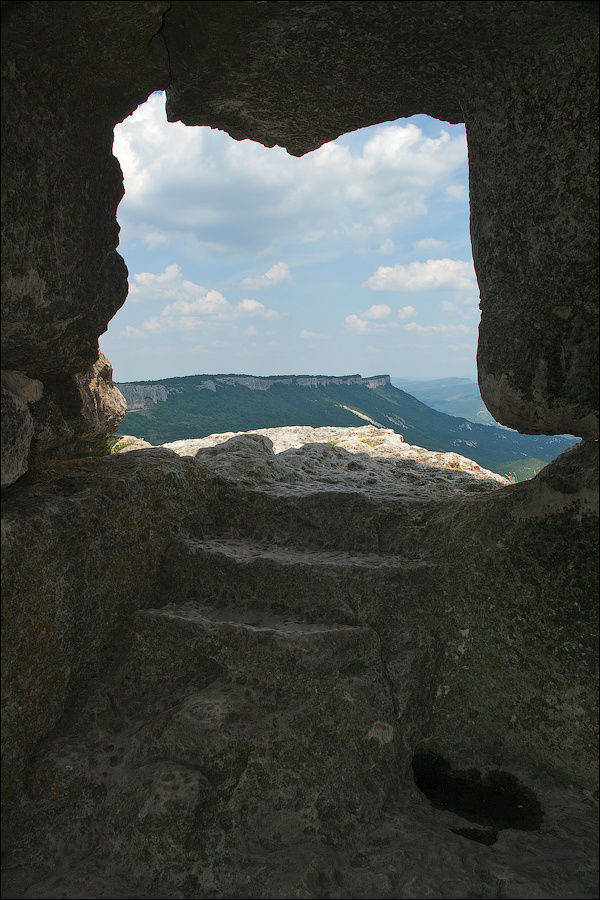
(353,258)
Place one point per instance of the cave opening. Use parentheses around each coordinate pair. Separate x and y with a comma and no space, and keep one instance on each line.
(494,800)
(355,258)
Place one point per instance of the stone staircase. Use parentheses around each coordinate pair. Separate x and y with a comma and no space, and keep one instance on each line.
(253,730)
(275,666)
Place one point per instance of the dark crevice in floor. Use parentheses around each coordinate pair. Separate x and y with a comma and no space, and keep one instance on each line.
(496,800)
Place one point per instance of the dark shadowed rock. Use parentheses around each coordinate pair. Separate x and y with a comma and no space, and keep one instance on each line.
(77,408)
(62,277)
(65,411)
(17,432)
(215,686)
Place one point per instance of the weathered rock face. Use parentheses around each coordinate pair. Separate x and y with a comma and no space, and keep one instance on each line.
(41,416)
(227,658)
(532,181)
(62,278)
(305,455)
(18,392)
(62,89)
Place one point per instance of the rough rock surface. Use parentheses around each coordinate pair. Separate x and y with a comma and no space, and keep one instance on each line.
(62,279)
(327,456)
(221,682)
(63,92)
(17,423)
(40,417)
(142,396)
(77,408)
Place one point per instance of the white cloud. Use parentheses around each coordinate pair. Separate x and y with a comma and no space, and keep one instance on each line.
(456,191)
(224,193)
(255,308)
(275,275)
(311,335)
(149,286)
(191,303)
(423,329)
(353,323)
(430,244)
(406,312)
(387,246)
(159,324)
(155,239)
(418,276)
(447,306)
(130,331)
(206,303)
(378,311)
(251,330)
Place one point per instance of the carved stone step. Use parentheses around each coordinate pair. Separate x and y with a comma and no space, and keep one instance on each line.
(212,722)
(326,585)
(318,518)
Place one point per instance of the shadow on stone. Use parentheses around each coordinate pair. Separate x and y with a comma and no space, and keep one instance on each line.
(497,800)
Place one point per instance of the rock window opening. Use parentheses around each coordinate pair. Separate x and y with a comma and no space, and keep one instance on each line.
(202,211)
(355,258)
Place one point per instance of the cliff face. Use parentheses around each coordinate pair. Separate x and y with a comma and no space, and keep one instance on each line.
(142,396)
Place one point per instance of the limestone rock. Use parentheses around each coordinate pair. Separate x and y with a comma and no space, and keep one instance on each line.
(102,404)
(142,396)
(346,457)
(40,417)
(127,442)
(63,279)
(60,635)
(77,408)
(217,685)
(17,432)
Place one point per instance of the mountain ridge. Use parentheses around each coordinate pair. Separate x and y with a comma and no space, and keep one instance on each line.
(195,406)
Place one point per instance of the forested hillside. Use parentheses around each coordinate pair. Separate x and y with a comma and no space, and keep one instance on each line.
(199,405)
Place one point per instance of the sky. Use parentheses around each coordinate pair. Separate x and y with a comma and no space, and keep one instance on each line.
(355,258)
